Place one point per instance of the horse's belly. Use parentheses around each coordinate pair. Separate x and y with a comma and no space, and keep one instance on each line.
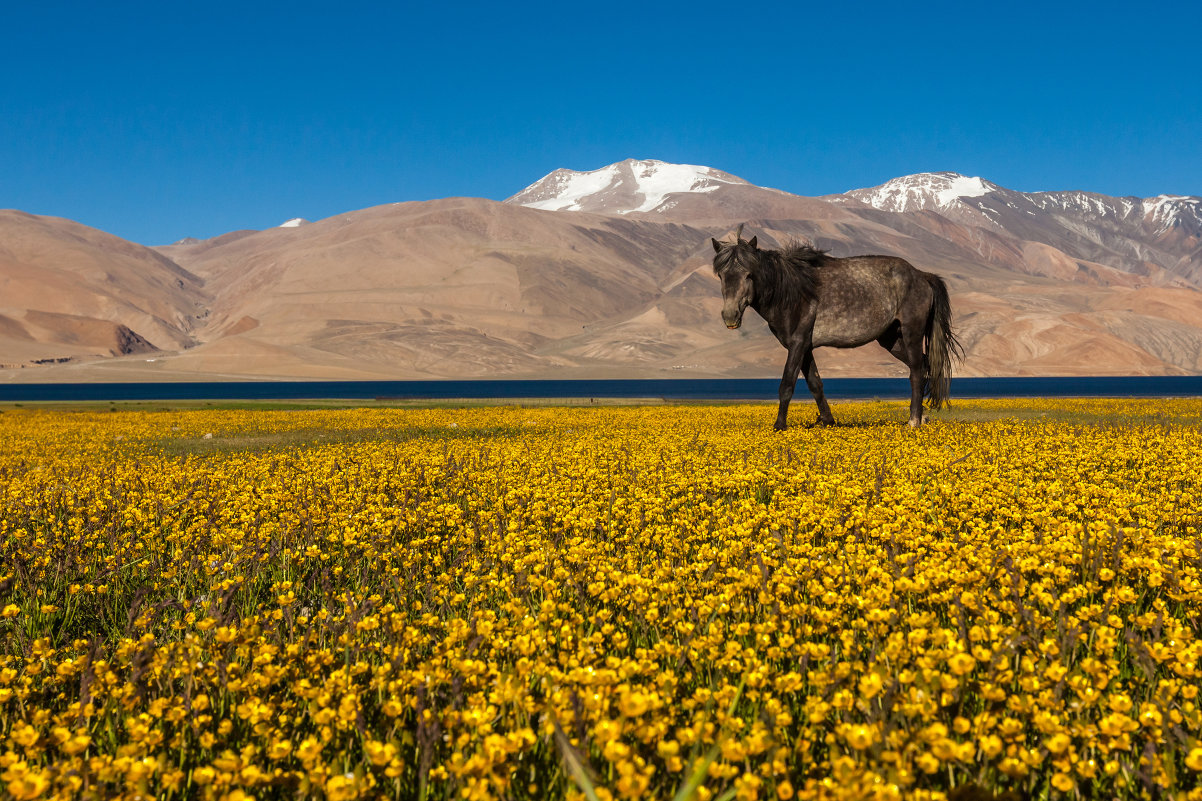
(850,330)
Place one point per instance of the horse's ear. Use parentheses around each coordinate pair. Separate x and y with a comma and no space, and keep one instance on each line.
(717,245)
(752,242)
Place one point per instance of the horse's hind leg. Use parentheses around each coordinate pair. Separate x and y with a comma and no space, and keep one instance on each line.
(905,343)
(814,382)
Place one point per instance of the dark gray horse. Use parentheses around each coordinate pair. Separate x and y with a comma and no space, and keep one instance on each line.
(811,300)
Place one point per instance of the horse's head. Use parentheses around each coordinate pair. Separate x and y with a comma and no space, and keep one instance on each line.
(734,265)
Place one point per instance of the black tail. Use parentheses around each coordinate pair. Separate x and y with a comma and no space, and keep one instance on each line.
(942,345)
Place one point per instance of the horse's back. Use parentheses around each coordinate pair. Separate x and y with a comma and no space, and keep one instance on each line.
(860,297)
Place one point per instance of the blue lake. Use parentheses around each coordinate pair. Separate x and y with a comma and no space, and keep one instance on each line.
(668,389)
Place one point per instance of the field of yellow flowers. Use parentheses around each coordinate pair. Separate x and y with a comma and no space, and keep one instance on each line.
(638,602)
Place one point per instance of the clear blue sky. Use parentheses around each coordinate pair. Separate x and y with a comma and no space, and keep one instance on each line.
(160,120)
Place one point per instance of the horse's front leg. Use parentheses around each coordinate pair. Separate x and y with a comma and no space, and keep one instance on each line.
(797,354)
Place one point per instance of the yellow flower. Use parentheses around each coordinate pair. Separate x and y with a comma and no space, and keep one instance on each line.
(309,749)
(1116,723)
(1013,767)
(348,708)
(870,685)
(76,744)
(24,735)
(962,663)
(1057,743)
(633,703)
(342,787)
(667,748)
(380,753)
(279,749)
(11,610)
(24,782)
(1063,782)
(927,762)
(860,737)
(991,745)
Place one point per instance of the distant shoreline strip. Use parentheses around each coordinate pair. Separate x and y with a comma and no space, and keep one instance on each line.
(701,389)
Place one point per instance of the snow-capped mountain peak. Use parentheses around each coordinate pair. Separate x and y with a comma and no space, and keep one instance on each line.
(926,190)
(628,186)
(295,222)
(1165,211)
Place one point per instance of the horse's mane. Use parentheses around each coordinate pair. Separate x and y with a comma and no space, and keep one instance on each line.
(802,256)
(793,272)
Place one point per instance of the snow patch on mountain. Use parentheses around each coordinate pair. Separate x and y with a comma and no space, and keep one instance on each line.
(1159,214)
(295,222)
(927,190)
(565,189)
(656,180)
(622,188)
(962,186)
(1082,203)
(1165,211)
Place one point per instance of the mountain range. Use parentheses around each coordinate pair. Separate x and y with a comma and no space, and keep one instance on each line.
(603,273)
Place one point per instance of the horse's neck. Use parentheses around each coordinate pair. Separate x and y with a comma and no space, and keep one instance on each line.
(775,278)
(779,304)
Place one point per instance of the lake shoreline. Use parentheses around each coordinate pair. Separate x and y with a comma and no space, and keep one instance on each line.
(584,390)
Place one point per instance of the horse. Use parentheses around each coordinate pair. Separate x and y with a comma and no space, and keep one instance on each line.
(810,299)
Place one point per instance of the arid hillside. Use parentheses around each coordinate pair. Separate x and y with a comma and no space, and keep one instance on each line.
(69,293)
(603,274)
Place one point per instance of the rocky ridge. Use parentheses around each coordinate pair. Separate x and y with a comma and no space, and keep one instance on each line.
(599,273)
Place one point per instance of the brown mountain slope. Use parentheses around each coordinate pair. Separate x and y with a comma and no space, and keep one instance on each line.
(69,292)
(457,287)
(466,287)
